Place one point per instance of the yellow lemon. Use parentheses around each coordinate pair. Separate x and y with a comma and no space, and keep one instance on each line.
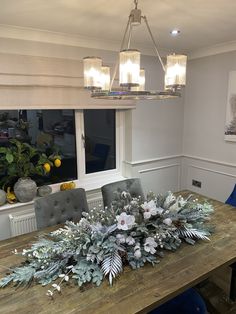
(57,162)
(11,198)
(67,186)
(72,185)
(47,167)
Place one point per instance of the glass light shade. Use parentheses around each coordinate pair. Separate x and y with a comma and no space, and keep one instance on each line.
(105,78)
(175,76)
(92,72)
(129,67)
(141,86)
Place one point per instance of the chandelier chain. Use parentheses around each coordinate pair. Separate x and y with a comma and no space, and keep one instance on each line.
(136,4)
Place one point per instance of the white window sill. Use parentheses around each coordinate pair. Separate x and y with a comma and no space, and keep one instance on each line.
(90,183)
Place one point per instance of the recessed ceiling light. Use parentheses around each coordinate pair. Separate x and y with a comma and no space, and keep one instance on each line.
(175,32)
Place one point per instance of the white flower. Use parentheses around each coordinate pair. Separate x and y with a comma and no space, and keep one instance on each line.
(49,293)
(125,221)
(149,208)
(167,221)
(137,251)
(83,223)
(134,202)
(150,245)
(125,194)
(137,254)
(57,287)
(180,202)
(66,277)
(121,238)
(130,240)
(169,200)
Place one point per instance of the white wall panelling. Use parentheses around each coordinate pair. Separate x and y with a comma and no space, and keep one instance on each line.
(158,175)
(217,179)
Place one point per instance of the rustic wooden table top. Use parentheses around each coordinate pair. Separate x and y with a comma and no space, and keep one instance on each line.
(134,291)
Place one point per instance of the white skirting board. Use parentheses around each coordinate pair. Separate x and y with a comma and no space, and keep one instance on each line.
(25,221)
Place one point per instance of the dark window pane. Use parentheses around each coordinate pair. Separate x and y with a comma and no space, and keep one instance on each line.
(49,131)
(100,143)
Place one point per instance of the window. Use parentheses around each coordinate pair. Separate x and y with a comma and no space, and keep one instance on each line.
(49,131)
(100,140)
(89,141)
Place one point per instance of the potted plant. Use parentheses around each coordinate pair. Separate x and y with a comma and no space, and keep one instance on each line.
(19,163)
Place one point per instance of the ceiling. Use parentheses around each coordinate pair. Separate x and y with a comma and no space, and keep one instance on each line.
(203,23)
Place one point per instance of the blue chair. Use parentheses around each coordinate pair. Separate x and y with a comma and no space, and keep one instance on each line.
(232,201)
(232,198)
(188,302)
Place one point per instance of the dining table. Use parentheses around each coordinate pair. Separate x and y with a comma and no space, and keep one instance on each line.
(134,291)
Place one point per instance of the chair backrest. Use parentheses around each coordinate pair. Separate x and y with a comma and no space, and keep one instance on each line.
(232,198)
(133,186)
(58,207)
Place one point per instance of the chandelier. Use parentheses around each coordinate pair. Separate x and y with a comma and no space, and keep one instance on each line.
(131,75)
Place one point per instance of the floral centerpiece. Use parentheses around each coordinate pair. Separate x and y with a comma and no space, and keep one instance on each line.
(129,232)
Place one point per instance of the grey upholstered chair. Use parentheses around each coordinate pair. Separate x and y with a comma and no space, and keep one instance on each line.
(133,186)
(58,207)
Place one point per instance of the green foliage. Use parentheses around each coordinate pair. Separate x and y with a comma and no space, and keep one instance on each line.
(86,271)
(21,275)
(21,160)
(138,263)
(130,231)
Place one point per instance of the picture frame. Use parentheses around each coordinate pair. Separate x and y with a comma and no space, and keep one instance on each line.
(230,123)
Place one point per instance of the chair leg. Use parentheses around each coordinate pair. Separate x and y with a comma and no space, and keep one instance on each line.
(233,283)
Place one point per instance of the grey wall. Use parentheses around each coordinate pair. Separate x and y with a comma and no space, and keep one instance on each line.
(155,132)
(210,159)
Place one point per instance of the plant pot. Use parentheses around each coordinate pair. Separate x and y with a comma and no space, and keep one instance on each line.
(3,197)
(44,190)
(25,190)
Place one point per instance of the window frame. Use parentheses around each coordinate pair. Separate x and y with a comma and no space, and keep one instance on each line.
(96,179)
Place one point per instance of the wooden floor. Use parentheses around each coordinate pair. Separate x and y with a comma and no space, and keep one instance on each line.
(216,299)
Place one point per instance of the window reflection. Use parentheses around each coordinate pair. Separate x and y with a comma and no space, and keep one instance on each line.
(49,131)
(100,144)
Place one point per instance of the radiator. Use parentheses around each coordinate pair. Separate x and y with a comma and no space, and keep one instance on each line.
(24,222)
(95,202)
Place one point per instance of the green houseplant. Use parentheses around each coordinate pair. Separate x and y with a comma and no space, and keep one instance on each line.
(21,160)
